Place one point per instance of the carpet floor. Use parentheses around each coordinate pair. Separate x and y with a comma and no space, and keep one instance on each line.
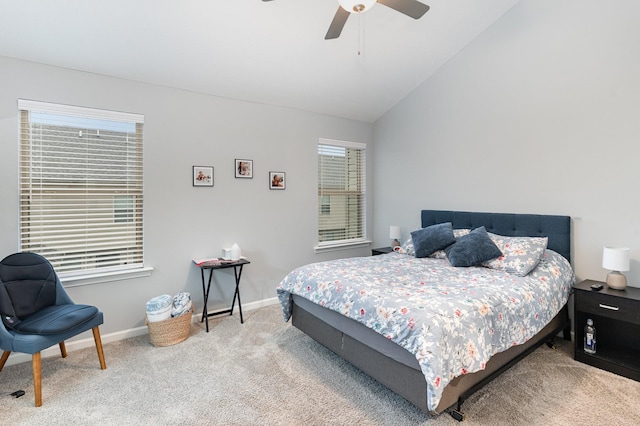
(266,372)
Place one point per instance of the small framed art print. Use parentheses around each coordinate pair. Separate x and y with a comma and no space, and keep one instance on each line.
(277,180)
(244,169)
(202,176)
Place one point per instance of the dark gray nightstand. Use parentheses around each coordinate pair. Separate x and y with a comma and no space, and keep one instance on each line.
(616,317)
(381,250)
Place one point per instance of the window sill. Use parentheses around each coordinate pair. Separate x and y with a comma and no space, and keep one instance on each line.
(80,280)
(342,246)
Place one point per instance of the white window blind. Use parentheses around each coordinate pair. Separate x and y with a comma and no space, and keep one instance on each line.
(81,187)
(341,192)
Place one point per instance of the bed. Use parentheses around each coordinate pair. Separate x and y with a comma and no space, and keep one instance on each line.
(432,332)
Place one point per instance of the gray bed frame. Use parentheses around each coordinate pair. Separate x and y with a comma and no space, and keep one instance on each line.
(328,327)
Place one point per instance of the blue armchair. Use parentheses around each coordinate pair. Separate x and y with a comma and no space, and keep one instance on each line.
(37,313)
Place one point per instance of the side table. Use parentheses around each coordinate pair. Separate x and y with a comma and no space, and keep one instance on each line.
(381,250)
(616,317)
(237,266)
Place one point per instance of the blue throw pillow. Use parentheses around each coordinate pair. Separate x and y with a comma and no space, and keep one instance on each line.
(473,249)
(432,238)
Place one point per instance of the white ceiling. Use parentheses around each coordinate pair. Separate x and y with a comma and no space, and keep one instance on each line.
(267,52)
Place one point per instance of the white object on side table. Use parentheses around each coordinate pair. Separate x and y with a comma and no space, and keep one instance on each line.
(616,259)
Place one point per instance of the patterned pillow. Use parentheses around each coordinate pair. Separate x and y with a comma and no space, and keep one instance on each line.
(472,249)
(407,248)
(460,232)
(519,254)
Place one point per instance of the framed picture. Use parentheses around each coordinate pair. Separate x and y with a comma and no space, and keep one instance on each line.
(244,169)
(277,180)
(202,176)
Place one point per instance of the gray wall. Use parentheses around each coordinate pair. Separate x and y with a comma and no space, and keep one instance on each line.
(539,114)
(276,230)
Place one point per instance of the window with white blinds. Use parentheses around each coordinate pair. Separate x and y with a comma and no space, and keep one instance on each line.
(81,187)
(341,192)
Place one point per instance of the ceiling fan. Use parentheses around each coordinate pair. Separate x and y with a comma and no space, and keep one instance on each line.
(412,8)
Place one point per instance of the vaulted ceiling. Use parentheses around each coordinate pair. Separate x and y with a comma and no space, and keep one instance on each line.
(267,52)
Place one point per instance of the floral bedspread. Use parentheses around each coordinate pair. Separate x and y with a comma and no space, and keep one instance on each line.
(452,319)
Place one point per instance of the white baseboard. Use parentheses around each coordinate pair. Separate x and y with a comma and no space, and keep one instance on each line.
(71,345)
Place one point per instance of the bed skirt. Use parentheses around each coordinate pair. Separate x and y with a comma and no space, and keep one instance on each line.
(391,364)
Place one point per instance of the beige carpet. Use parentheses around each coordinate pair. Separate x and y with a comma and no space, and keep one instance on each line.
(266,372)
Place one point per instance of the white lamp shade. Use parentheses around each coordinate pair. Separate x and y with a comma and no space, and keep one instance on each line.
(615,258)
(394,232)
(356,6)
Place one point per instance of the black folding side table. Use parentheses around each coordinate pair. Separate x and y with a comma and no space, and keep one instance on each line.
(237,266)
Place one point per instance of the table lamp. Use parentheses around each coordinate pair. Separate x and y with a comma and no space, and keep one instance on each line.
(394,234)
(616,259)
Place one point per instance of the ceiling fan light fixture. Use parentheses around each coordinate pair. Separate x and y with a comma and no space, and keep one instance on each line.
(356,6)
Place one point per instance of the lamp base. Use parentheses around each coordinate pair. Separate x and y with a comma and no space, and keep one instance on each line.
(395,243)
(616,280)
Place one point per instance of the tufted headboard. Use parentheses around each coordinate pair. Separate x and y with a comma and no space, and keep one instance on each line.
(556,228)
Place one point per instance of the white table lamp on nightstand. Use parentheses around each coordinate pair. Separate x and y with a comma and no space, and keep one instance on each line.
(394,234)
(616,259)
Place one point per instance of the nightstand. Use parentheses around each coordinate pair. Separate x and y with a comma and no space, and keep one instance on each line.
(381,250)
(616,317)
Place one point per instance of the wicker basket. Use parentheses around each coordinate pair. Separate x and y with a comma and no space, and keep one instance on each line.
(170,331)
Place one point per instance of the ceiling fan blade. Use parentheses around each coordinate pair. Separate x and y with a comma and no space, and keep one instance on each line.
(412,8)
(337,24)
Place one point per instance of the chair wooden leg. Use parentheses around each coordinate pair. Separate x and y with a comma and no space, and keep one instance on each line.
(37,378)
(96,337)
(63,349)
(5,356)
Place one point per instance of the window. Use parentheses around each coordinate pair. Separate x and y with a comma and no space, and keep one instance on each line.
(123,208)
(341,193)
(81,187)
(325,204)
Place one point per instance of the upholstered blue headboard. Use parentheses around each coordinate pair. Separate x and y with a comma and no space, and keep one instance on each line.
(556,228)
